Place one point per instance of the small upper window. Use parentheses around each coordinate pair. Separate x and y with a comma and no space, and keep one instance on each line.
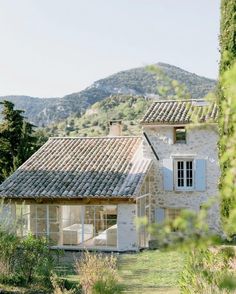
(180,135)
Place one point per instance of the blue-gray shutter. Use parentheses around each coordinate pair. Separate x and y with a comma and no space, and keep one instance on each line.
(160,215)
(200,175)
(168,180)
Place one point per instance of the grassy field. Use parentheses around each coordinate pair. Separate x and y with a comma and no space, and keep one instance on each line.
(147,272)
(151,272)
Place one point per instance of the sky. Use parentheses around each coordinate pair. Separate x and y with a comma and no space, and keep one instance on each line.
(50,48)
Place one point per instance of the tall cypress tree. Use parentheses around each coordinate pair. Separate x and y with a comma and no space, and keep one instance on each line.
(227,123)
(17,141)
(227,34)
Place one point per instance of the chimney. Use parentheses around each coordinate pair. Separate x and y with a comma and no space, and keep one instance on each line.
(115,128)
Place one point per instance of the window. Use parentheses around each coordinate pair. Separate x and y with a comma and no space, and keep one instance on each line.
(180,135)
(184,174)
(172,213)
(70,225)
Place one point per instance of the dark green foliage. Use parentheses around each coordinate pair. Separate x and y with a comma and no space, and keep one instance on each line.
(24,261)
(17,142)
(34,260)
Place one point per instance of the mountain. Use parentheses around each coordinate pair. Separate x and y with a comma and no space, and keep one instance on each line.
(94,122)
(137,81)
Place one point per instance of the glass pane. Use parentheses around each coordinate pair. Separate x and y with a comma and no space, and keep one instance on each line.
(180,135)
(53,212)
(189,173)
(180,173)
(72,222)
(85,226)
(54,238)
(42,211)
(54,227)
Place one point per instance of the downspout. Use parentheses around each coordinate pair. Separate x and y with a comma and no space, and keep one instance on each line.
(151,146)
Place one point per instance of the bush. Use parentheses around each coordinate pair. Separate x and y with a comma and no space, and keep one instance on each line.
(59,286)
(8,245)
(209,271)
(24,261)
(107,287)
(98,274)
(95,123)
(33,259)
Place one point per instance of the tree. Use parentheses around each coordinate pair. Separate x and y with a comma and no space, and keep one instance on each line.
(227,35)
(227,120)
(17,142)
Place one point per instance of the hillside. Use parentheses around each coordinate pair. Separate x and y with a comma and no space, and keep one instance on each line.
(94,122)
(137,81)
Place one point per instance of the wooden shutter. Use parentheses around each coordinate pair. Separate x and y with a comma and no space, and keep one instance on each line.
(168,174)
(200,175)
(160,215)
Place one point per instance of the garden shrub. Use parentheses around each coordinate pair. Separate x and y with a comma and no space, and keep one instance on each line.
(60,286)
(98,274)
(209,271)
(24,261)
(34,260)
(8,245)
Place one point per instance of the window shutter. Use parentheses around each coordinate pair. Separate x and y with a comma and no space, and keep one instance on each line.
(200,175)
(160,215)
(168,174)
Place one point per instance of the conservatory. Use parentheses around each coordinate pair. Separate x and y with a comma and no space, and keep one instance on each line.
(107,227)
(82,193)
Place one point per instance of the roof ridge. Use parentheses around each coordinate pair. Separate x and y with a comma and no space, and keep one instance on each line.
(178,100)
(103,137)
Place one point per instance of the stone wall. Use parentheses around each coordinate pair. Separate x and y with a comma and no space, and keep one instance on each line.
(201,144)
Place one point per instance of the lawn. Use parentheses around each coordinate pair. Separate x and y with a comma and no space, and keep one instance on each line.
(147,272)
(151,272)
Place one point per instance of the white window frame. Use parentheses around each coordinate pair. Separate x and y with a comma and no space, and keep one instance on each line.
(185,187)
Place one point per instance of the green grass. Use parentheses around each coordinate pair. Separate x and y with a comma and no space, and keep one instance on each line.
(147,272)
(151,272)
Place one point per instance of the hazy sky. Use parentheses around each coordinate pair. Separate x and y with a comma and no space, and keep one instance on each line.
(50,48)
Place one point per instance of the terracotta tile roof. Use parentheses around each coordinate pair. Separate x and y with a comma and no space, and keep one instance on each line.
(80,167)
(180,112)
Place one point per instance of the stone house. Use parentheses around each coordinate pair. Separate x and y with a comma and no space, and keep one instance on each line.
(183,136)
(88,192)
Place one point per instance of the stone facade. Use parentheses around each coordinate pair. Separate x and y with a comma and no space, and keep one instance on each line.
(201,143)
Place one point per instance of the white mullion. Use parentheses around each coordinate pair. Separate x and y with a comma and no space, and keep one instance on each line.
(36,220)
(94,221)
(82,215)
(21,212)
(185,173)
(47,221)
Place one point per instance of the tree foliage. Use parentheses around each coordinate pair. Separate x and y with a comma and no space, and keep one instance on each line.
(17,140)
(227,34)
(227,106)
